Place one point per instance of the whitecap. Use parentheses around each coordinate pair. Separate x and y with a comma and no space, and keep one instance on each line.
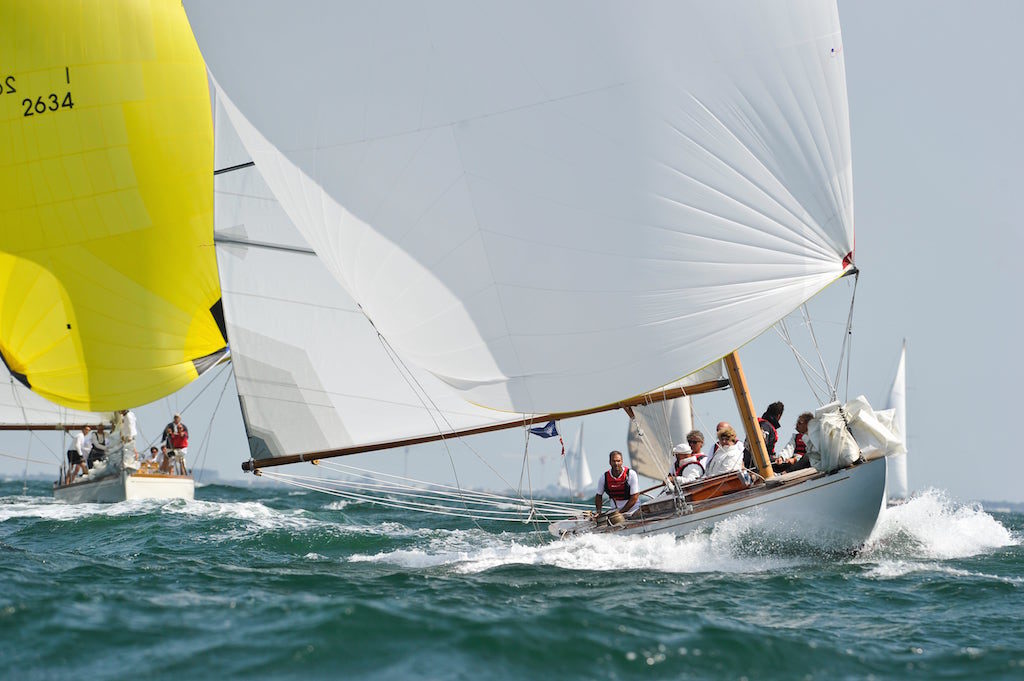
(931,525)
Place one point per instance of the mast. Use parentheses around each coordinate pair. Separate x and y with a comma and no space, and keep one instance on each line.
(647,398)
(755,439)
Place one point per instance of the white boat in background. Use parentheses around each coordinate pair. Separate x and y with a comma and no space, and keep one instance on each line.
(574,477)
(126,485)
(896,487)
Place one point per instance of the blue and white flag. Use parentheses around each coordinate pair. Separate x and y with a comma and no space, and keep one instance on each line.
(550,429)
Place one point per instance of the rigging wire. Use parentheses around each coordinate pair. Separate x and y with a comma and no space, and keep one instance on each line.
(367,473)
(337,488)
(205,444)
(824,380)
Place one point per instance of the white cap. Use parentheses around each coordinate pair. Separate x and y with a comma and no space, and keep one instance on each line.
(682,448)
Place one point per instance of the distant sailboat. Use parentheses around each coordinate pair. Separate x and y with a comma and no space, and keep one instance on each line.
(574,476)
(896,486)
(106,245)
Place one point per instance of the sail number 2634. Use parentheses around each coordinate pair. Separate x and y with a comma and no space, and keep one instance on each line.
(41,104)
(44,103)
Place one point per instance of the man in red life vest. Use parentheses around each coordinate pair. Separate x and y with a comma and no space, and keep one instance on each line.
(620,484)
(179,444)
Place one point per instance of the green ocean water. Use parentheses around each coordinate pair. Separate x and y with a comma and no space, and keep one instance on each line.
(274,583)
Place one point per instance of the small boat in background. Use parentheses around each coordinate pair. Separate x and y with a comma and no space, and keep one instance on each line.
(896,487)
(575,476)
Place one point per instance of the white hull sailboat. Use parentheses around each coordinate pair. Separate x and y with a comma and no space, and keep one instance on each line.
(397,254)
(126,486)
(836,510)
(111,291)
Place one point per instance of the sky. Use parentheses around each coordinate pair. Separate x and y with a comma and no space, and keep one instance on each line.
(936,96)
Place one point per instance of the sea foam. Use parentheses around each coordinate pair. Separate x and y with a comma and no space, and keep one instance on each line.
(722,549)
(930,525)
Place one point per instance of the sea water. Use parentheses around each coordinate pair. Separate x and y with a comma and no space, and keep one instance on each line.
(268,582)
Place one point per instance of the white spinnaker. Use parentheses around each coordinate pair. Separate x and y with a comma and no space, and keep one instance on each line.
(310,370)
(575,474)
(896,482)
(677,174)
(19,406)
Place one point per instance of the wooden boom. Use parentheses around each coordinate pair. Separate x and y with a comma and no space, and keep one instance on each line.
(647,398)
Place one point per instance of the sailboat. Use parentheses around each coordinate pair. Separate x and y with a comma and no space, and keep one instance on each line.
(409,196)
(896,488)
(574,477)
(111,297)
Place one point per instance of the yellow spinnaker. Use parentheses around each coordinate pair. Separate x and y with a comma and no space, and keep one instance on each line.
(108,275)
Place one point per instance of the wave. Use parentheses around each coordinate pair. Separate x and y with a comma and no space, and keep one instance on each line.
(930,525)
(724,549)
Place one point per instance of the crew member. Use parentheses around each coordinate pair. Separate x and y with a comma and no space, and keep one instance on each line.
(179,442)
(98,452)
(79,454)
(621,484)
(793,456)
(687,467)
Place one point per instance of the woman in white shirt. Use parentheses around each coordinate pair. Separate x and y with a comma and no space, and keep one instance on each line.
(729,456)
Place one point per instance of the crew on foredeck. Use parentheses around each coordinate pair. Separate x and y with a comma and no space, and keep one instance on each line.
(795,455)
(79,454)
(98,451)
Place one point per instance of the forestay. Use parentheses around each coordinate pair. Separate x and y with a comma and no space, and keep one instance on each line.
(676,174)
(106,258)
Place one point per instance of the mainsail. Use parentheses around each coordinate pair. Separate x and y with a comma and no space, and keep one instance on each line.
(679,177)
(110,286)
(896,481)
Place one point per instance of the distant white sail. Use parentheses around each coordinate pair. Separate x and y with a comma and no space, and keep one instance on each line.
(677,174)
(896,486)
(575,475)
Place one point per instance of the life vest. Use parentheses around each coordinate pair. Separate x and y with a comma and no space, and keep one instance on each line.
(179,439)
(617,488)
(799,449)
(678,469)
(771,435)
